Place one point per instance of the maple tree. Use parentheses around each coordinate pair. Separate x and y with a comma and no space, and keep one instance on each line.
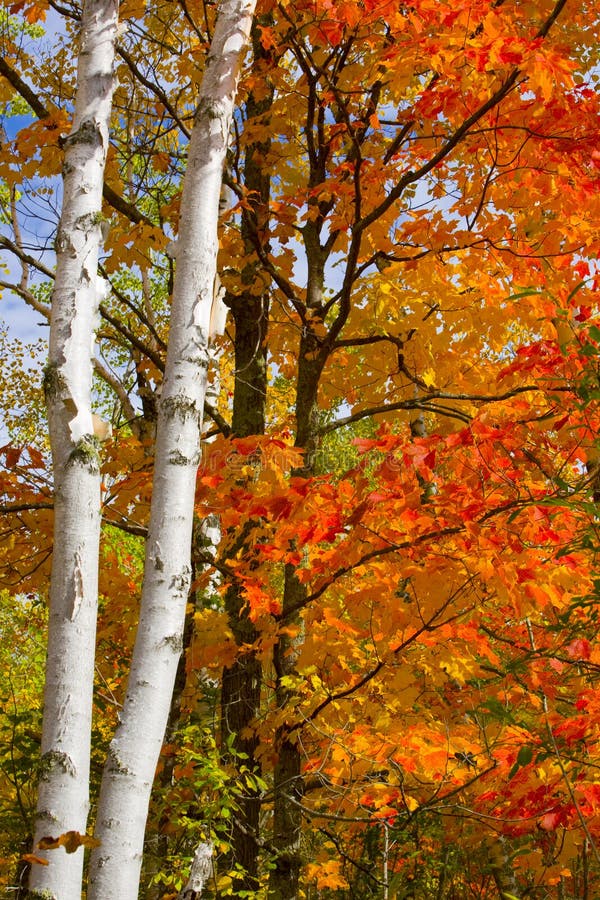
(388,683)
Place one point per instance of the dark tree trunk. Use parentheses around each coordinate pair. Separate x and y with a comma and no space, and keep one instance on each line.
(288,788)
(242,681)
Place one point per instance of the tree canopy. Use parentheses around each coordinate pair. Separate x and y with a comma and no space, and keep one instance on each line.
(388,681)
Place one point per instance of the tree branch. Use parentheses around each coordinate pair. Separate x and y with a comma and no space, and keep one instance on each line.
(424,403)
(119,203)
(7,508)
(156,89)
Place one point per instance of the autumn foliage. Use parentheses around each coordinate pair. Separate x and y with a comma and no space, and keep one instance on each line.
(397,504)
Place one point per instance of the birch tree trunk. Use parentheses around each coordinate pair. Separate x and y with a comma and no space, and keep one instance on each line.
(63,797)
(134,751)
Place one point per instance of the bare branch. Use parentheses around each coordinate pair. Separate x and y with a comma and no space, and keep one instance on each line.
(425,403)
(103,372)
(7,508)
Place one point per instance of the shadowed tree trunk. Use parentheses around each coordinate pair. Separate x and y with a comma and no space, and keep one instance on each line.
(288,786)
(242,681)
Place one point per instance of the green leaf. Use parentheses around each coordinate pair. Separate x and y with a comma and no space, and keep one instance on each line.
(495,708)
(577,288)
(530,292)
(524,757)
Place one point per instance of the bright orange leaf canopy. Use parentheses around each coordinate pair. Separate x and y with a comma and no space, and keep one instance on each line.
(411,530)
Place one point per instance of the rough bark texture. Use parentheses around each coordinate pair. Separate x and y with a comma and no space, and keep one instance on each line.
(501,866)
(134,751)
(63,798)
(288,784)
(242,682)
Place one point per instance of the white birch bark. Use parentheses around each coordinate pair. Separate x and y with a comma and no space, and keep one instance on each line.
(134,751)
(63,796)
(201,871)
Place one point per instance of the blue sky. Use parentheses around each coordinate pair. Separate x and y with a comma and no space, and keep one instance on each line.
(22,321)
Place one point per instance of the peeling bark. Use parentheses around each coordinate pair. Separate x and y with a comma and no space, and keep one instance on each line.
(63,796)
(129,772)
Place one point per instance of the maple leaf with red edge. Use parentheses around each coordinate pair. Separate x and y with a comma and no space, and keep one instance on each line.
(591,793)
(551,820)
(580,648)
(12,455)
